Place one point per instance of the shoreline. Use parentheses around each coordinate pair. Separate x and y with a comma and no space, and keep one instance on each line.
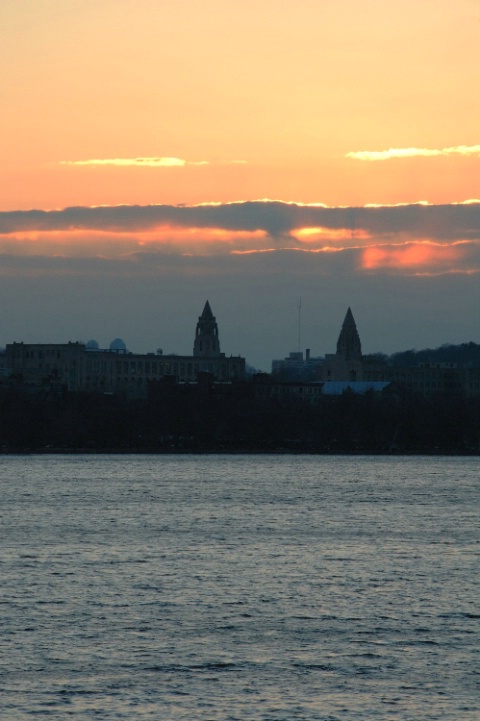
(234,452)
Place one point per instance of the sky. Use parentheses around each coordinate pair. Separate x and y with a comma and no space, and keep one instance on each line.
(284,160)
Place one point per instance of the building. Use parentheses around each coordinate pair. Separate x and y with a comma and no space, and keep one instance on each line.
(427,379)
(81,367)
(298,368)
(349,367)
(430,379)
(344,365)
(347,363)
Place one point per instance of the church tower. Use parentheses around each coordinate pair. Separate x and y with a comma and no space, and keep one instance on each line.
(348,344)
(347,363)
(206,342)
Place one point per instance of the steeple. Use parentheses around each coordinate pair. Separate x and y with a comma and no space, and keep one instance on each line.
(348,344)
(206,335)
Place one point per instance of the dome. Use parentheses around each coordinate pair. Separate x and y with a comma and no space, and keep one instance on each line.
(92,345)
(118,345)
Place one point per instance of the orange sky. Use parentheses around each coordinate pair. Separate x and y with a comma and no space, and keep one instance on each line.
(179,103)
(287,88)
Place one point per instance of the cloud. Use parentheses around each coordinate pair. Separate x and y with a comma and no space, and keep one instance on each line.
(392,153)
(149,162)
(391,240)
(279,220)
(137,162)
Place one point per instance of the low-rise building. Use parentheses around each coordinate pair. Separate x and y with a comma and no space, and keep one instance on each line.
(83,367)
(297,368)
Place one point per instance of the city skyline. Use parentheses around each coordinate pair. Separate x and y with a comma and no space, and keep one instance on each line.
(117,345)
(142,142)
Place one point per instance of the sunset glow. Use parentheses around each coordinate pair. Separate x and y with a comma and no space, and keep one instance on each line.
(253,147)
(112,244)
(319,235)
(412,256)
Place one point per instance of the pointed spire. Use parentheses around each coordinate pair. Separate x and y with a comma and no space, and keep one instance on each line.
(348,345)
(207,311)
(206,341)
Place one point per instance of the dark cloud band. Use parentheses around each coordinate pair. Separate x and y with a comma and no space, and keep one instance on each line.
(437,222)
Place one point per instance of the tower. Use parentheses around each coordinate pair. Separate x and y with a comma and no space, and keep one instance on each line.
(347,363)
(348,344)
(206,342)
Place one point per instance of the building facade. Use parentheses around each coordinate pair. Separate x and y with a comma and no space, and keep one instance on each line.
(79,368)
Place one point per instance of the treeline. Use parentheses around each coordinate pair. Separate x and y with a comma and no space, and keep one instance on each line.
(205,420)
(465,355)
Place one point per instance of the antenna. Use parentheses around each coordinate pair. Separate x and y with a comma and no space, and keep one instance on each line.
(299,324)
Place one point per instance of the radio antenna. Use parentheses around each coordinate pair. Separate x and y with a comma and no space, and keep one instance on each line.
(299,324)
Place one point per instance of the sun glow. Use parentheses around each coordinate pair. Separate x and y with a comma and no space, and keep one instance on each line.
(322,234)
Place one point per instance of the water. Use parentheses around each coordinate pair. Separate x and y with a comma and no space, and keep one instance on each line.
(239,587)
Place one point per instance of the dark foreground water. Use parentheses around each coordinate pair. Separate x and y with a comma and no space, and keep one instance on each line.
(239,587)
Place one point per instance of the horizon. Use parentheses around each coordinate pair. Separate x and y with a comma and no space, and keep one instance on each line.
(101,347)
